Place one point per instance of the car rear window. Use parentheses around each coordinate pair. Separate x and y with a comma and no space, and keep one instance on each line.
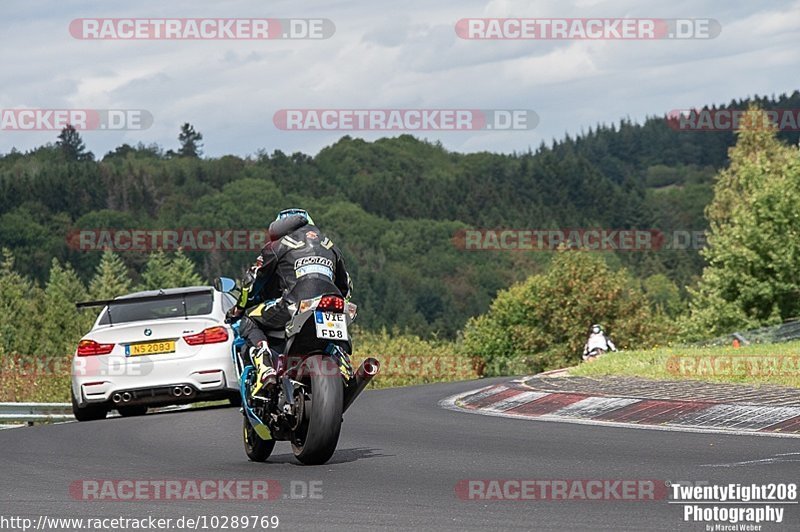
(197,304)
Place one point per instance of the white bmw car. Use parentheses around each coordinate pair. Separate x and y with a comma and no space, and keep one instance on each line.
(155,348)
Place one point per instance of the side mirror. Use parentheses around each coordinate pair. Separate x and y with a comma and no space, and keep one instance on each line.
(224,284)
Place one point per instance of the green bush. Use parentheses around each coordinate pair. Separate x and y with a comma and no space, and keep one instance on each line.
(543,322)
(407,359)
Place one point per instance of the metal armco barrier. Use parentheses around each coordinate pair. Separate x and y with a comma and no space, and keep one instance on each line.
(32,412)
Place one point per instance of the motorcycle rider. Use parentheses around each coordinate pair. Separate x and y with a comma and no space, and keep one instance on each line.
(299,262)
(597,340)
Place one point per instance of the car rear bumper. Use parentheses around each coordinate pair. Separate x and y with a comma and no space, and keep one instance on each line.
(175,394)
(204,378)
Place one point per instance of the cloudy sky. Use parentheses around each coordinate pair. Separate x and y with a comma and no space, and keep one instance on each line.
(385,55)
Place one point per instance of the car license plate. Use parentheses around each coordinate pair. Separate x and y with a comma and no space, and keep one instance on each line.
(330,325)
(150,348)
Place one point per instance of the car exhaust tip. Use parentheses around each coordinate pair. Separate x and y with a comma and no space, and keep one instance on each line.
(187,390)
(116,398)
(177,391)
(126,397)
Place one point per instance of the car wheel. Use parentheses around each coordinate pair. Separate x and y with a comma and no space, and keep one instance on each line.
(87,413)
(130,411)
(235,400)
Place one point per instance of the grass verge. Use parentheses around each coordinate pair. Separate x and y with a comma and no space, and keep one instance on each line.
(760,364)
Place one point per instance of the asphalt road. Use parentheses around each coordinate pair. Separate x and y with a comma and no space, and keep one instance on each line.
(399,459)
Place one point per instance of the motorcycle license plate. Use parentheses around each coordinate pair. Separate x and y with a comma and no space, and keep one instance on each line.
(330,325)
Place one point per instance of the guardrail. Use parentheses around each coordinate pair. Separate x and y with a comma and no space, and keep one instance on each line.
(32,412)
(785,332)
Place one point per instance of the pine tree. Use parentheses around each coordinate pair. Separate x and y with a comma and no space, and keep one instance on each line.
(156,272)
(181,271)
(190,141)
(753,250)
(18,307)
(72,146)
(110,279)
(62,325)
(163,271)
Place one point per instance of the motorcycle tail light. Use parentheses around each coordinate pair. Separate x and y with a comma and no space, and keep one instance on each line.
(331,304)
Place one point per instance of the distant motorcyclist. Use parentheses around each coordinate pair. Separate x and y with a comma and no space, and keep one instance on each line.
(299,262)
(598,343)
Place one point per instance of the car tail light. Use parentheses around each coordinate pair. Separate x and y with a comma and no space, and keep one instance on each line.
(212,335)
(89,348)
(331,304)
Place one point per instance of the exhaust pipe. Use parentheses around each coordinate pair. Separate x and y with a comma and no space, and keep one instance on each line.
(188,390)
(116,398)
(126,397)
(368,369)
(177,391)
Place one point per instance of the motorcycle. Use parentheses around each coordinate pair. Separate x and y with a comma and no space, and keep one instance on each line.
(316,382)
(594,354)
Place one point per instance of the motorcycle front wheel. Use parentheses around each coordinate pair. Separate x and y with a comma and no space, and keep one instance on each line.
(257,450)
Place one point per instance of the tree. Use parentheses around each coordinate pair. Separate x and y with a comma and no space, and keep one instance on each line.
(190,141)
(752,278)
(156,272)
(542,323)
(663,295)
(181,271)
(61,324)
(162,271)
(110,279)
(72,146)
(18,308)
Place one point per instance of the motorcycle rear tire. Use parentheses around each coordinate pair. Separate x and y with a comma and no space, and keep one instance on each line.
(324,420)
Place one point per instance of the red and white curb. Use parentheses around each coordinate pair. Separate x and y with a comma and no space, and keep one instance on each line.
(515,400)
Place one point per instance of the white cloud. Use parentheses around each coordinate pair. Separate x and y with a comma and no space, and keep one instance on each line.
(403,55)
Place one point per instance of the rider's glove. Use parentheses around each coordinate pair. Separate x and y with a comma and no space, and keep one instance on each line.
(233,314)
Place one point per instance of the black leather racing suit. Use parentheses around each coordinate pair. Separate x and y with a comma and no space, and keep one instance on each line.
(298,263)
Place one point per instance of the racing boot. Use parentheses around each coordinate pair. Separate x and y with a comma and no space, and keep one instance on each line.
(265,373)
